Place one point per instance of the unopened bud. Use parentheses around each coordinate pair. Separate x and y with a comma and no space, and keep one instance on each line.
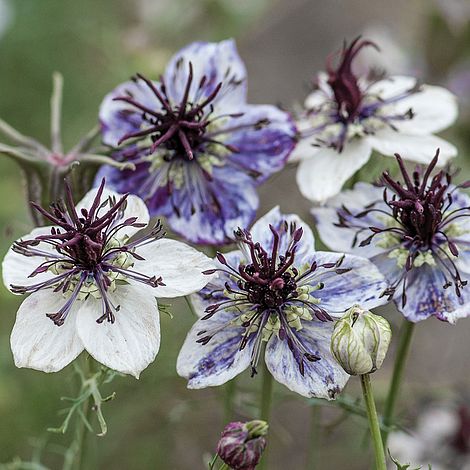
(242,444)
(360,341)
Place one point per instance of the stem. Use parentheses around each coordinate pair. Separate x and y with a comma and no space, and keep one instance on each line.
(374,426)
(312,451)
(265,407)
(230,389)
(406,333)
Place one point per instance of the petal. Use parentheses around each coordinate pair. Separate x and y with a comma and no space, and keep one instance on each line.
(261,150)
(417,148)
(262,234)
(134,207)
(180,266)
(322,379)
(341,239)
(426,297)
(434,109)
(36,342)
(324,174)
(209,211)
(218,361)
(306,147)
(393,86)
(362,285)
(118,118)
(132,342)
(219,63)
(16,268)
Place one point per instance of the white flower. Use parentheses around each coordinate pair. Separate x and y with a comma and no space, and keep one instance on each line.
(93,283)
(348,117)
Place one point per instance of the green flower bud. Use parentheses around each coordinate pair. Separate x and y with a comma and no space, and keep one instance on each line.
(360,341)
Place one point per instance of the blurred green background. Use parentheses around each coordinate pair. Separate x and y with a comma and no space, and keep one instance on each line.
(155,423)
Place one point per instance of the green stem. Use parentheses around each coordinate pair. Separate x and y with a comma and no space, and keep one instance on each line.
(374,426)
(404,342)
(312,451)
(265,407)
(230,389)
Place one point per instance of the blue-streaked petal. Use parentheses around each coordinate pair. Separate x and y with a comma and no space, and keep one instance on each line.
(323,379)
(363,284)
(427,297)
(355,200)
(218,62)
(261,150)
(219,360)
(208,212)
(262,234)
(118,118)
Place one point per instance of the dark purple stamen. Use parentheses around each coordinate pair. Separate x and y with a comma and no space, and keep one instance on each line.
(84,251)
(420,205)
(265,288)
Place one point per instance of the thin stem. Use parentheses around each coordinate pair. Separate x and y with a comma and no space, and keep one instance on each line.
(56,112)
(265,407)
(404,342)
(313,445)
(81,428)
(230,389)
(380,463)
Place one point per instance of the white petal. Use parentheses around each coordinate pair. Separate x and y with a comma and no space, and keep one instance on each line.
(135,207)
(262,234)
(323,175)
(36,342)
(417,148)
(392,86)
(16,268)
(218,361)
(305,148)
(180,266)
(434,109)
(323,379)
(132,342)
(341,239)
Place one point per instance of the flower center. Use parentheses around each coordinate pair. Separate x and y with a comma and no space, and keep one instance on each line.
(88,254)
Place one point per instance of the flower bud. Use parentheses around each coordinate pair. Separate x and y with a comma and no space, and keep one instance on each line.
(242,444)
(360,341)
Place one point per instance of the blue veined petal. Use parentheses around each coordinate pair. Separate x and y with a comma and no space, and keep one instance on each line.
(262,234)
(427,297)
(218,62)
(263,149)
(218,361)
(362,285)
(341,238)
(118,118)
(208,211)
(323,379)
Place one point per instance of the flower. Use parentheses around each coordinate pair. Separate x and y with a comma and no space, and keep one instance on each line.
(93,283)
(360,341)
(416,231)
(45,168)
(276,290)
(348,116)
(242,444)
(199,149)
(441,438)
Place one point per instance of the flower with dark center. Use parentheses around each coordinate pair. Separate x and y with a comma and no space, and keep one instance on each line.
(199,149)
(92,279)
(348,116)
(242,444)
(416,230)
(276,293)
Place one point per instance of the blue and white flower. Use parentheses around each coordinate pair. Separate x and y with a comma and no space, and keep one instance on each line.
(199,149)
(347,117)
(416,231)
(93,280)
(276,293)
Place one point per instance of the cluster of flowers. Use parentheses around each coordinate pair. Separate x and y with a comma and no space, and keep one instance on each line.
(195,152)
